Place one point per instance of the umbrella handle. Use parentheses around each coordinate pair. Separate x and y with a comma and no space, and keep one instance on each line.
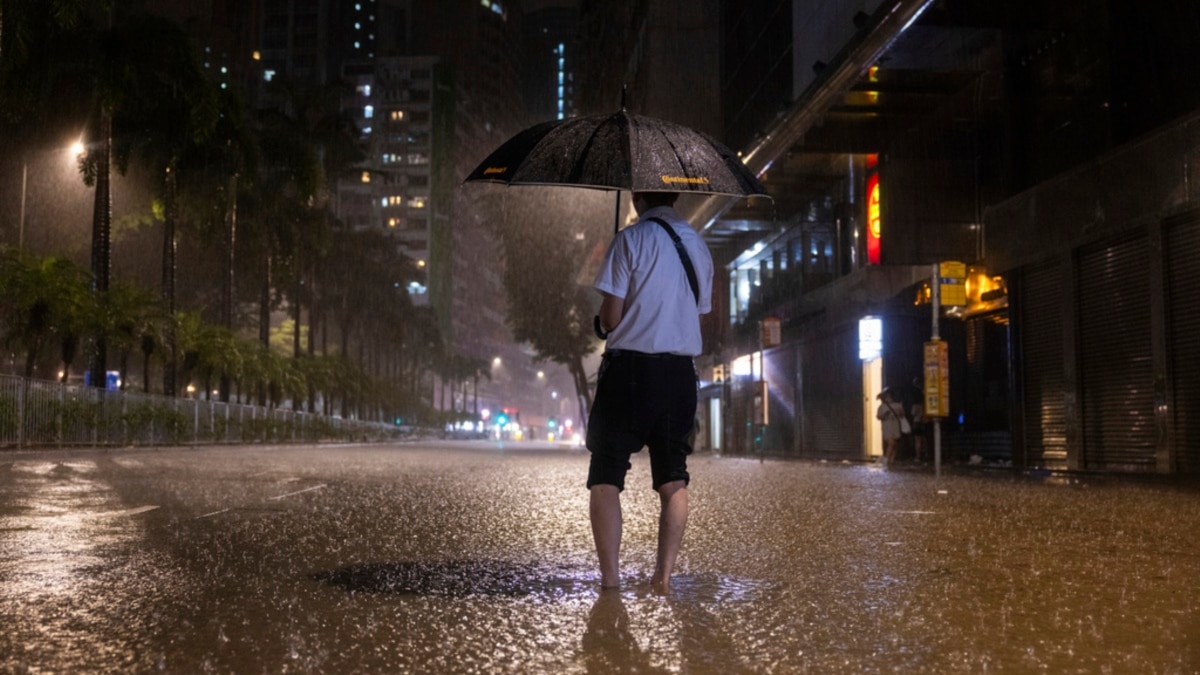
(617,214)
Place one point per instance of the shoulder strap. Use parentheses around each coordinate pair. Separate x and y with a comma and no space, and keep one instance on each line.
(683,257)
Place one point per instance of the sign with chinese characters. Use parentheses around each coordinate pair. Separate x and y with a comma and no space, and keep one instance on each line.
(953,281)
(937,379)
(874,219)
(771,332)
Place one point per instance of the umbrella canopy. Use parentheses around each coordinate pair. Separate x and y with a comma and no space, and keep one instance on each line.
(621,151)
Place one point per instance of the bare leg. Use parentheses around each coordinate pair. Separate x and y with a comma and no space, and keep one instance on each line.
(605,510)
(671,522)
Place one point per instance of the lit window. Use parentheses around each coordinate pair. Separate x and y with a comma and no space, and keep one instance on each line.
(366,131)
(364,89)
(420,263)
(256,56)
(397,115)
(369,112)
(357,45)
(357,26)
(393,222)
(383,202)
(224,70)
(366,176)
(416,202)
(268,75)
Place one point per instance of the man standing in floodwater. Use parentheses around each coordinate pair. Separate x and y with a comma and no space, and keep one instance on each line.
(646,389)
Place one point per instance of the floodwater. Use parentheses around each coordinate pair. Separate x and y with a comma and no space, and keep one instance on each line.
(473,558)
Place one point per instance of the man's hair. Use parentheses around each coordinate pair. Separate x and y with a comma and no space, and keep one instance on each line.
(653,199)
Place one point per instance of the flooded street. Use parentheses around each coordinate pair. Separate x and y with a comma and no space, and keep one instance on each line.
(478,558)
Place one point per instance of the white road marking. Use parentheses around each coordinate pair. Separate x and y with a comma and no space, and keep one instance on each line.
(297,492)
(127,512)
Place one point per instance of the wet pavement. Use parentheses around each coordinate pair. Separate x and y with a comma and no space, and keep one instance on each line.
(475,557)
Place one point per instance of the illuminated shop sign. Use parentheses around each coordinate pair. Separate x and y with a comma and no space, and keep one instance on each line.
(874,219)
(870,338)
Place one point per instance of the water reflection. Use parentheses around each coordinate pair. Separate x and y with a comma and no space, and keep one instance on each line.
(460,578)
(608,644)
(692,629)
(60,530)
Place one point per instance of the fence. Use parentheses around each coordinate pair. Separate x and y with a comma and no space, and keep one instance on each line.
(37,413)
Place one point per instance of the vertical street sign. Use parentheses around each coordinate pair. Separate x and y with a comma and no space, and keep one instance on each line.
(937,379)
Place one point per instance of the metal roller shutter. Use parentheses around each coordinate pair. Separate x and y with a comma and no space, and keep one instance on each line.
(779,366)
(1115,354)
(1041,333)
(831,382)
(1181,241)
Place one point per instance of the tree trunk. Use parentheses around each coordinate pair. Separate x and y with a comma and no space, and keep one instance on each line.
(101,239)
(297,300)
(583,393)
(227,287)
(170,363)
(264,321)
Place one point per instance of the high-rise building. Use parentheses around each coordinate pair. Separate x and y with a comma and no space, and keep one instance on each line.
(549,60)
(227,34)
(440,89)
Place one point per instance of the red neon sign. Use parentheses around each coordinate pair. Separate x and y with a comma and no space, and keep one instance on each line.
(874,219)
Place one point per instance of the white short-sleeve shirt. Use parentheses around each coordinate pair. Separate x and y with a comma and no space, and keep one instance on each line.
(643,268)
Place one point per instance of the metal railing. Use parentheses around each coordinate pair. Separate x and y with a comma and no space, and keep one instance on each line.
(38,413)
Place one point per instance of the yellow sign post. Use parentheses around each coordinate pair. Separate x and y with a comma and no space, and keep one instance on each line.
(953,277)
(937,379)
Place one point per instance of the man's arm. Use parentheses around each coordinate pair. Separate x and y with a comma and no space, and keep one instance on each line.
(612,309)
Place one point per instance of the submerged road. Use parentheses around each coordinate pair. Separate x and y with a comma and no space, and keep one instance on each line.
(477,557)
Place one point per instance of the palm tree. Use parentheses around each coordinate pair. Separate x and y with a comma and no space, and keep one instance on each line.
(21,21)
(150,98)
(43,300)
(131,319)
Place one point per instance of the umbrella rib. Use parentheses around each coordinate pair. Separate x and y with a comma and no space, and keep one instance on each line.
(578,167)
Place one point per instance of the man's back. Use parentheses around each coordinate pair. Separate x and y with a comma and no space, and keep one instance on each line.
(644,269)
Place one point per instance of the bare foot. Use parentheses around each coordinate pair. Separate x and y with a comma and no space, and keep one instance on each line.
(660,586)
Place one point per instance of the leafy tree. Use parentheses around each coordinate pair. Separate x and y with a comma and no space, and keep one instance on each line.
(130,318)
(43,301)
(549,305)
(150,97)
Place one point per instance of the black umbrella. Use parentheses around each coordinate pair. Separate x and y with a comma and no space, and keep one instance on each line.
(621,151)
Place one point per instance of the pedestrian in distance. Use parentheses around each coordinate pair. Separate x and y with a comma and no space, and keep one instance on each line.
(892,423)
(646,387)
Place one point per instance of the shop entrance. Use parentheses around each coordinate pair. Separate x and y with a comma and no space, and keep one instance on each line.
(872,384)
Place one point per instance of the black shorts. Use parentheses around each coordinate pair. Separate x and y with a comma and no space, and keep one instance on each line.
(642,400)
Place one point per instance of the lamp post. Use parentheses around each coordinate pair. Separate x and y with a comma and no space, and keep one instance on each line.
(24,185)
